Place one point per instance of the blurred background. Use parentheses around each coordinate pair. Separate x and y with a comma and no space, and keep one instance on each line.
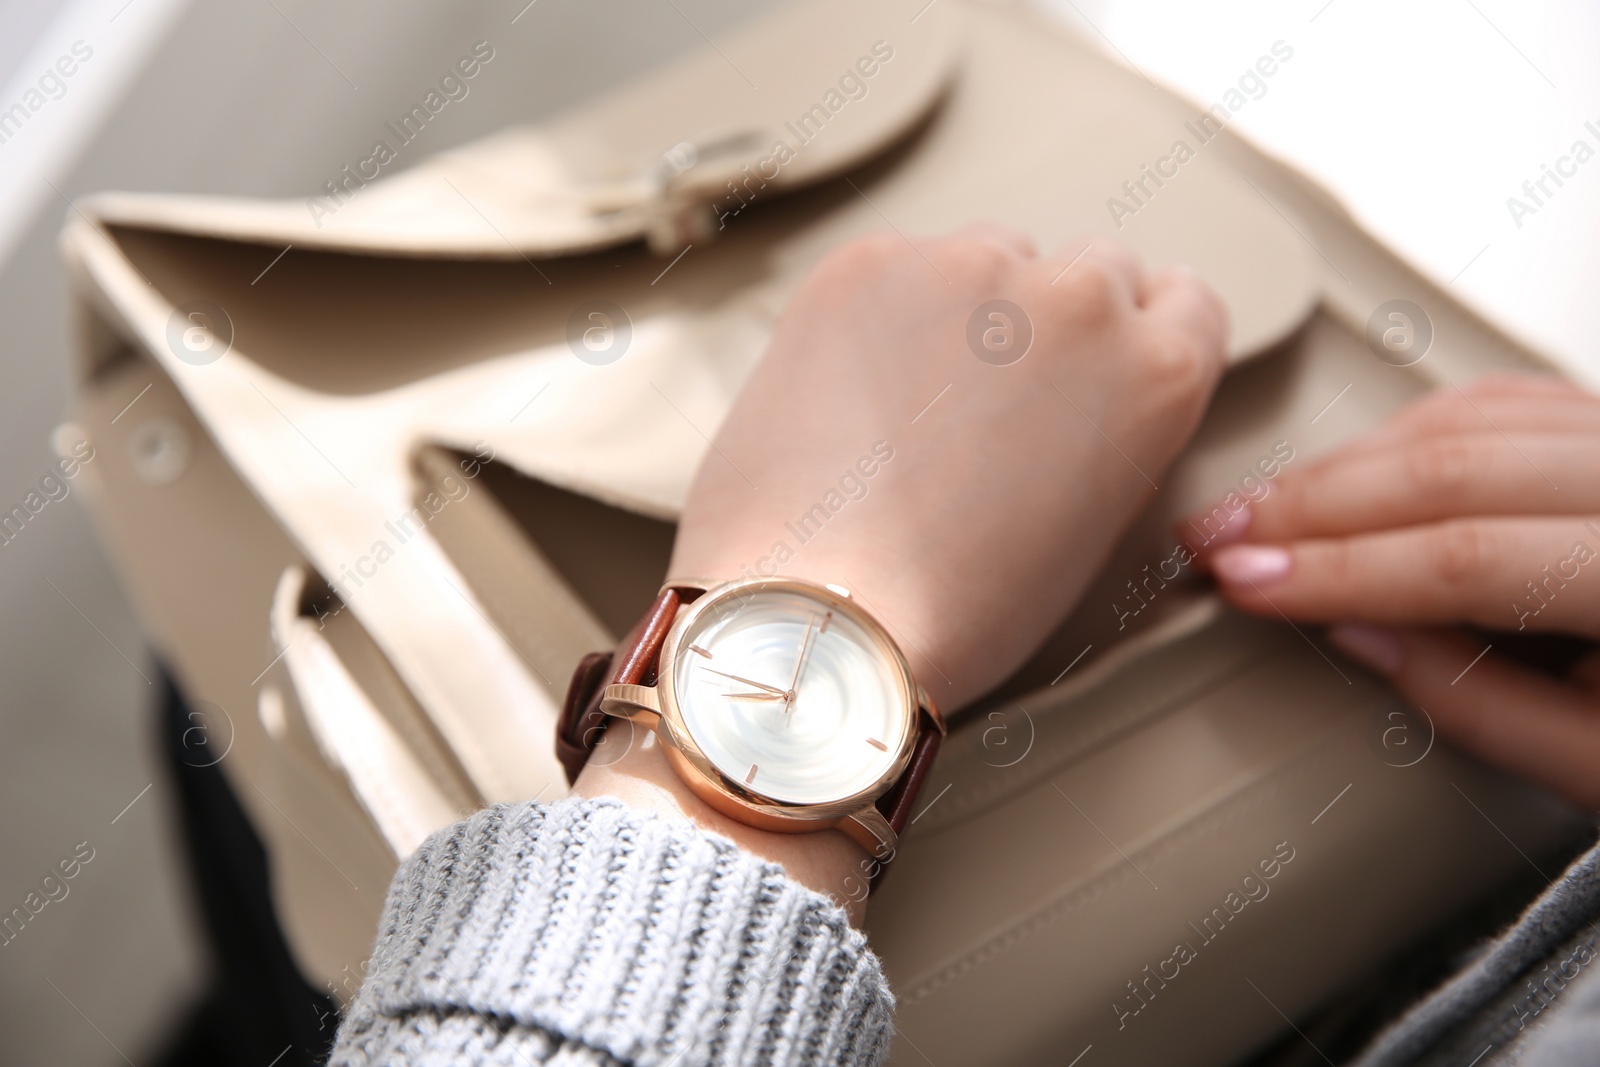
(1422,118)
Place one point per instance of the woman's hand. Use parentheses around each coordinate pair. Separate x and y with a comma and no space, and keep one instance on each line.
(1478,506)
(965,503)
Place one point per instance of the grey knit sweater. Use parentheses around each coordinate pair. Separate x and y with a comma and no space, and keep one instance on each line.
(1530,997)
(587,933)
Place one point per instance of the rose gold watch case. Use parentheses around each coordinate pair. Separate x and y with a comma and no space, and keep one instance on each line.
(657,707)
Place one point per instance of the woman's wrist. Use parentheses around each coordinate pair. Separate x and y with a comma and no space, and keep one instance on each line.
(825,861)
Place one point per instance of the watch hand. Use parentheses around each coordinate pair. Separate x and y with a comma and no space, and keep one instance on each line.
(756,696)
(799,665)
(800,661)
(769,688)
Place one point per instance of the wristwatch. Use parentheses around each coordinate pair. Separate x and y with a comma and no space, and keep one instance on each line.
(781,703)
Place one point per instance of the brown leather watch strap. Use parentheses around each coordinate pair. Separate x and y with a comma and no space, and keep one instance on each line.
(576,734)
(897,803)
(634,663)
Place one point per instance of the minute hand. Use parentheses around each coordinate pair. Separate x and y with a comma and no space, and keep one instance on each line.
(799,665)
(769,688)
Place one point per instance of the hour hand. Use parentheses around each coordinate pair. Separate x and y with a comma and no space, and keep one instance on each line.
(774,690)
(755,696)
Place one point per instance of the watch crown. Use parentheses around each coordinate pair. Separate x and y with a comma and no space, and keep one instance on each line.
(841,590)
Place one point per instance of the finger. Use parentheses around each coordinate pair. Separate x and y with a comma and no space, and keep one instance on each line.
(1188,319)
(1503,713)
(1505,389)
(1521,383)
(1505,574)
(1005,236)
(1458,475)
(1506,411)
(1118,262)
(1176,298)
(1509,418)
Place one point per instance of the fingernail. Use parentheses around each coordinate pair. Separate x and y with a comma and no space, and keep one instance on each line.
(1206,534)
(1251,564)
(1378,648)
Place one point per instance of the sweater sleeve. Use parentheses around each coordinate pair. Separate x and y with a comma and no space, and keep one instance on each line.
(585,933)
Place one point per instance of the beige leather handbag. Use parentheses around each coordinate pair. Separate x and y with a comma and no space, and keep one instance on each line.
(379,466)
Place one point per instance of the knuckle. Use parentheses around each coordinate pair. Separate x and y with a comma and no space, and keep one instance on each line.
(1337,565)
(1441,465)
(1329,573)
(1461,553)
(975,261)
(1088,292)
(1221,321)
(855,271)
(1290,507)
(863,257)
(1183,358)
(1117,257)
(1180,364)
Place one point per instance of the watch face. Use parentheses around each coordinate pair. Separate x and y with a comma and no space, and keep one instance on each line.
(791,694)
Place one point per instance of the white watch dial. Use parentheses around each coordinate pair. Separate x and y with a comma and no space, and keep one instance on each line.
(790,697)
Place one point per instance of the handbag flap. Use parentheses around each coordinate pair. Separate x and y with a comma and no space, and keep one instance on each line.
(785,98)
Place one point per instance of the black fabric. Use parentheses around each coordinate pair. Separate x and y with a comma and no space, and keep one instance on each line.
(259,1011)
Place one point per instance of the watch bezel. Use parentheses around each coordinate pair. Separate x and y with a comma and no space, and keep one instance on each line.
(733,797)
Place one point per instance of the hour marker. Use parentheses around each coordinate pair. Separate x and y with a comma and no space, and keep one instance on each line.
(879,745)
(703,652)
(752,775)
(826,619)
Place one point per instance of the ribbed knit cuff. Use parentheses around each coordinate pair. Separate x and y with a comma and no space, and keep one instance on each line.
(643,938)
